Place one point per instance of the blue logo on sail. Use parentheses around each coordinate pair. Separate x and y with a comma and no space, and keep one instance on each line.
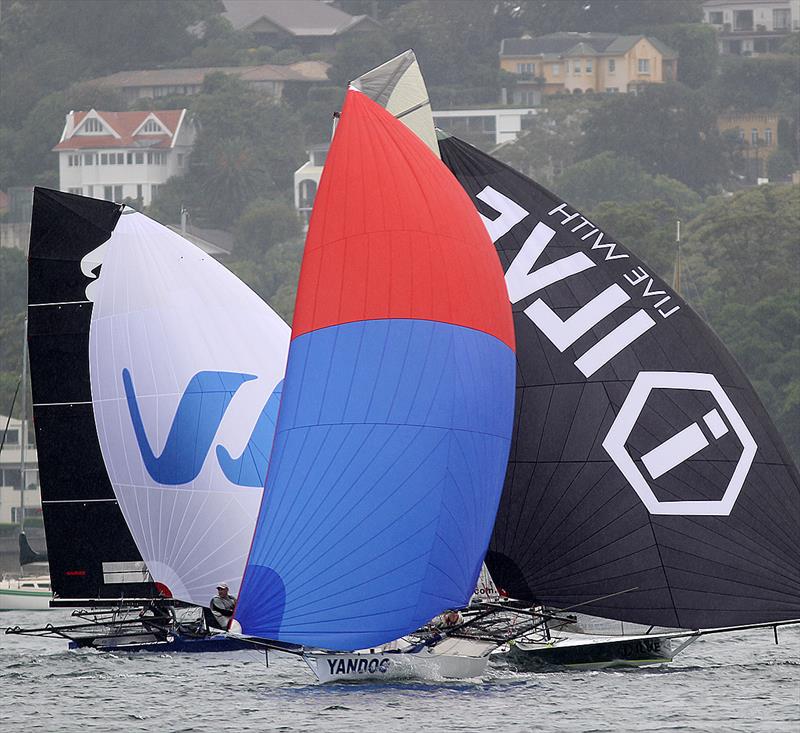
(197,419)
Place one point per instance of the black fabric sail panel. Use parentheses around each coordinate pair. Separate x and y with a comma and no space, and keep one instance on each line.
(646,480)
(88,542)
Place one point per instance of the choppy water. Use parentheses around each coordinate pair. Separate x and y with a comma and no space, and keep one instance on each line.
(741,682)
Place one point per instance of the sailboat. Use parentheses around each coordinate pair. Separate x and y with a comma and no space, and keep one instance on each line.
(151,452)
(646,483)
(394,425)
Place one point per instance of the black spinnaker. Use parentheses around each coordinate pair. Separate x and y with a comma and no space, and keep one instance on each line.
(646,480)
(91,552)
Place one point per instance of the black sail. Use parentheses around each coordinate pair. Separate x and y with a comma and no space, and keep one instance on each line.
(646,480)
(91,552)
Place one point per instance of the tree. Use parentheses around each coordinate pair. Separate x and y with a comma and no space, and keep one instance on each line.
(647,228)
(264,224)
(780,165)
(248,147)
(743,248)
(610,177)
(358,54)
(696,46)
(668,128)
(764,336)
(552,140)
(755,84)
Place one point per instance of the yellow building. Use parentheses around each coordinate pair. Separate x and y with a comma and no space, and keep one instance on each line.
(758,135)
(585,62)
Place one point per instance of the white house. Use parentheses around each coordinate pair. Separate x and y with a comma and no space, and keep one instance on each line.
(306,180)
(752,27)
(118,155)
(11,472)
(485,127)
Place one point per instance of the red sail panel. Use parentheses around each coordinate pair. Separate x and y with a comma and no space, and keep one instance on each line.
(420,252)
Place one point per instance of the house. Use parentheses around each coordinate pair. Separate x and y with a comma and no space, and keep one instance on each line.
(11,472)
(485,127)
(306,181)
(311,25)
(584,62)
(752,27)
(269,79)
(758,137)
(119,155)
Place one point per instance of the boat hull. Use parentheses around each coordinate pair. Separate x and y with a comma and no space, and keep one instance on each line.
(13,597)
(591,652)
(173,643)
(365,666)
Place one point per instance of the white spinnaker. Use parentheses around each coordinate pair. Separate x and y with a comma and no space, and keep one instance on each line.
(164,311)
(398,86)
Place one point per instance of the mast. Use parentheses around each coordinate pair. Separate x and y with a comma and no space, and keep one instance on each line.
(23,426)
(676,275)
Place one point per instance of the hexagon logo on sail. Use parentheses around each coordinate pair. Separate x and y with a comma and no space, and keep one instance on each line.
(681,446)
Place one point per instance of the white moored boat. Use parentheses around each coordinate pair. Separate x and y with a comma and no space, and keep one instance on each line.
(25,594)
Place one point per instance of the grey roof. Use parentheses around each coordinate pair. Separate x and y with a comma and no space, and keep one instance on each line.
(312,71)
(574,44)
(296,17)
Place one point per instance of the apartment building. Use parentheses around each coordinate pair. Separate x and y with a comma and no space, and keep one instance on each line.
(752,27)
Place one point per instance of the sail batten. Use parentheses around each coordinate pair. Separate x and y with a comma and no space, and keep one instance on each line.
(642,461)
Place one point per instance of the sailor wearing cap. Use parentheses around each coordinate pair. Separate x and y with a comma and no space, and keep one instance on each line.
(222,606)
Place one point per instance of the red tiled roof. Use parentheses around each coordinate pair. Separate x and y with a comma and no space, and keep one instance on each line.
(124,124)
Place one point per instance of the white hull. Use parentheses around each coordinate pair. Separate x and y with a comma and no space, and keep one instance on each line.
(25,594)
(450,659)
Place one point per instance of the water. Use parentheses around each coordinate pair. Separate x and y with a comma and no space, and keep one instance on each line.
(731,682)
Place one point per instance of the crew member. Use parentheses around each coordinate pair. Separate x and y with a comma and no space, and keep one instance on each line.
(222,606)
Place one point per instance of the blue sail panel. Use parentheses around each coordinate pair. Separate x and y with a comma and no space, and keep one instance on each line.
(385,476)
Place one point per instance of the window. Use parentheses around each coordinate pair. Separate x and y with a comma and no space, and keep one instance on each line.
(74,160)
(555,69)
(93,125)
(103,159)
(589,66)
(768,135)
(108,193)
(754,136)
(120,158)
(612,90)
(525,68)
(741,133)
(612,66)
(117,193)
(576,67)
(88,158)
(715,17)
(154,192)
(12,437)
(139,191)
(307,190)
(780,19)
(151,126)
(156,158)
(318,157)
(130,158)
(78,190)
(139,158)
(644,66)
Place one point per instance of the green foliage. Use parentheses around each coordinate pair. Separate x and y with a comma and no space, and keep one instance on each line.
(552,140)
(545,16)
(696,46)
(172,197)
(647,228)
(780,165)
(454,40)
(743,248)
(758,83)
(357,54)
(764,336)
(248,147)
(668,128)
(262,225)
(273,276)
(612,177)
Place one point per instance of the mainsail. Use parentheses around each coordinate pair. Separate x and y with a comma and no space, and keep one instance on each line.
(394,425)
(644,471)
(91,552)
(186,364)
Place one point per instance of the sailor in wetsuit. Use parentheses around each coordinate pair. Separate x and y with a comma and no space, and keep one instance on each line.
(222,606)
